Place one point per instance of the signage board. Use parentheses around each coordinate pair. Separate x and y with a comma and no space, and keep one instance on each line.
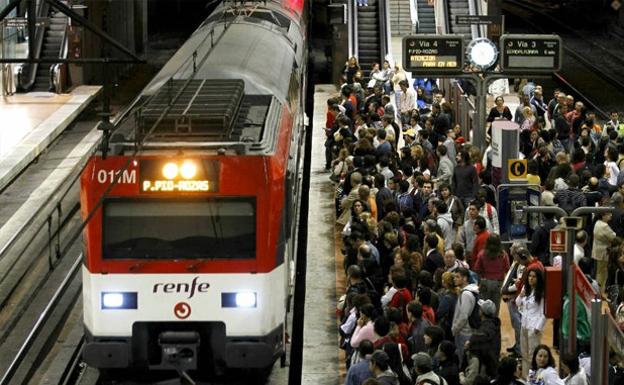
(531,53)
(517,169)
(477,19)
(430,54)
(558,243)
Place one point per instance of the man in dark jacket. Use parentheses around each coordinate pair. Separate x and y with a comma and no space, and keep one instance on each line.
(380,367)
(487,338)
(540,241)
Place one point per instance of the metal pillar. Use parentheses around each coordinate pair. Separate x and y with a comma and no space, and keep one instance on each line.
(478,130)
(597,341)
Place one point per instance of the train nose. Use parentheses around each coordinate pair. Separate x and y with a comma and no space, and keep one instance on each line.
(179,350)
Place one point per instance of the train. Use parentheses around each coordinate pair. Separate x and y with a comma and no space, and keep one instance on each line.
(191,206)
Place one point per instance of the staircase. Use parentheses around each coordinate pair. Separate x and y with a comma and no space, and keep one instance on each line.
(458,7)
(426,17)
(368,35)
(400,19)
(52,45)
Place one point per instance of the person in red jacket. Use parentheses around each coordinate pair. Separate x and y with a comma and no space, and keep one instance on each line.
(403,296)
(492,264)
(480,229)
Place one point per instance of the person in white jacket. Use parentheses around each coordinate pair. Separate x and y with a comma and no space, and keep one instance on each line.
(531,306)
(543,370)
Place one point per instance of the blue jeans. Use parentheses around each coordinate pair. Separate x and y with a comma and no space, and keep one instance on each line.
(516,320)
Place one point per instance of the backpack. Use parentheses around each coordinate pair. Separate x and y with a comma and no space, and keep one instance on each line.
(431,382)
(474,319)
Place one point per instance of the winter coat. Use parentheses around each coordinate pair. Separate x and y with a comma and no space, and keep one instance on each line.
(465,304)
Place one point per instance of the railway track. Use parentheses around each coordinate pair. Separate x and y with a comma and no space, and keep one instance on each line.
(591,70)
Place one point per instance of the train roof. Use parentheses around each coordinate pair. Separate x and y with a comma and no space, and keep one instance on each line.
(222,88)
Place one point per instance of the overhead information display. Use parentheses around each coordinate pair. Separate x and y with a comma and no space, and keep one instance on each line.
(531,53)
(427,54)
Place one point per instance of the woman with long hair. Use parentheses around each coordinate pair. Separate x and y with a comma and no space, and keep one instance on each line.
(507,372)
(570,366)
(492,263)
(448,299)
(530,303)
(351,67)
(397,364)
(543,370)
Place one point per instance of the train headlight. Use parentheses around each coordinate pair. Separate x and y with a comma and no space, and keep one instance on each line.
(170,170)
(119,300)
(246,299)
(188,170)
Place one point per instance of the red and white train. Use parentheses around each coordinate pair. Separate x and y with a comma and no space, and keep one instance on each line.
(192,215)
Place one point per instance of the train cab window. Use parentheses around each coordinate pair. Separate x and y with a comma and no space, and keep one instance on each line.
(221,228)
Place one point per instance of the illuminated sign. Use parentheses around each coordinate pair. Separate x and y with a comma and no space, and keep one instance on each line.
(531,53)
(178,176)
(426,54)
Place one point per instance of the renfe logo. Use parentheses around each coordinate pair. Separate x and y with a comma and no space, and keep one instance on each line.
(182,287)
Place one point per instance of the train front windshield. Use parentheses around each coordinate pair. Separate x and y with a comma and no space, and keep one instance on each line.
(222,228)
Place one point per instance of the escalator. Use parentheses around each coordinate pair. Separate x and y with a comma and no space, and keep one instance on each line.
(50,41)
(53,42)
(370,32)
(457,8)
(426,17)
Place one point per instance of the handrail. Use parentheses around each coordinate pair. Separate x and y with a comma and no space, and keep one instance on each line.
(472,11)
(414,14)
(442,20)
(354,28)
(384,28)
(350,39)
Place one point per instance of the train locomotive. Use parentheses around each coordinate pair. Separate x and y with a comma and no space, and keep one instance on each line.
(192,208)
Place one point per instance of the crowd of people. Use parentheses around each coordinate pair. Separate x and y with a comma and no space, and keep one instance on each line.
(425,265)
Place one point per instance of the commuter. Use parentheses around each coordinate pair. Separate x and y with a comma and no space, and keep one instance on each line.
(446,167)
(407,101)
(467,233)
(543,371)
(570,366)
(360,371)
(487,338)
(466,302)
(397,364)
(465,178)
(444,220)
(379,365)
(351,67)
(434,335)
(481,237)
(488,211)
(491,264)
(365,326)
(614,123)
(531,305)
(448,300)
(540,240)
(499,111)
(454,204)
(603,238)
(475,366)
(508,373)
(416,327)
(521,115)
(448,367)
(423,366)
(433,257)
(509,291)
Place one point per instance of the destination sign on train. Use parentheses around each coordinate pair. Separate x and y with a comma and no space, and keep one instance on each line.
(531,53)
(426,54)
(178,175)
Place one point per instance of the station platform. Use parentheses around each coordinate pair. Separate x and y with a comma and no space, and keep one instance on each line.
(31,121)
